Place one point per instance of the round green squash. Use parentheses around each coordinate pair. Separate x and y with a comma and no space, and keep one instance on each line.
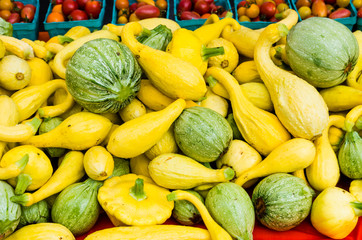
(231,207)
(322,51)
(9,211)
(282,201)
(185,212)
(350,155)
(77,207)
(202,133)
(103,76)
(37,213)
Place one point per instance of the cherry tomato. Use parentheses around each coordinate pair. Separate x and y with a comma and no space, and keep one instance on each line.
(82,3)
(241,11)
(304,12)
(14,18)
(252,11)
(147,11)
(18,6)
(55,17)
(205,15)
(319,9)
(161,4)
(282,7)
(244,18)
(300,3)
(56,2)
(267,10)
(188,15)
(93,9)
(69,6)
(133,18)
(242,4)
(57,8)
(133,7)
(5,14)
(359,13)
(31,6)
(184,5)
(342,3)
(201,7)
(122,19)
(27,14)
(340,13)
(122,4)
(6,5)
(78,15)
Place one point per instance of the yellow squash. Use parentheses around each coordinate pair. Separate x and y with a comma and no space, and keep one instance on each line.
(159,232)
(167,144)
(352,117)
(261,129)
(79,131)
(152,97)
(353,78)
(14,169)
(133,110)
(30,99)
(134,200)
(335,212)
(139,165)
(35,174)
(17,47)
(213,28)
(240,156)
(69,171)
(335,137)
(298,105)
(67,52)
(215,102)
(341,97)
(229,60)
(136,136)
(324,171)
(246,72)
(98,163)
(173,76)
(40,71)
(39,51)
(176,171)
(20,132)
(355,188)
(215,230)
(15,72)
(42,231)
(9,116)
(295,154)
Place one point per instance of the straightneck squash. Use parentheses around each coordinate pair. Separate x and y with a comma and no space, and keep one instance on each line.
(173,76)
(176,171)
(134,200)
(187,46)
(69,171)
(79,131)
(215,230)
(352,117)
(20,132)
(30,99)
(9,116)
(261,129)
(341,97)
(36,173)
(295,154)
(136,136)
(324,170)
(298,105)
(208,32)
(14,169)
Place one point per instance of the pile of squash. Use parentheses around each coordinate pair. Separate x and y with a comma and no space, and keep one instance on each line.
(149,121)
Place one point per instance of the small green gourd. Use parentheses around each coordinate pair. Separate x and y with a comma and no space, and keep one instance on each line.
(185,212)
(37,213)
(158,38)
(47,125)
(350,155)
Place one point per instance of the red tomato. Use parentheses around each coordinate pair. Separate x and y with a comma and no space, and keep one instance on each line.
(147,11)
(209,1)
(56,2)
(81,3)
(267,10)
(184,5)
(78,15)
(18,6)
(359,13)
(93,9)
(132,7)
(188,15)
(201,7)
(242,4)
(69,6)
(340,13)
(31,6)
(27,14)
(14,18)
(277,2)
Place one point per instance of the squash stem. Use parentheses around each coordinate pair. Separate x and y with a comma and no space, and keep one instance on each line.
(211,81)
(34,123)
(206,52)
(137,191)
(357,208)
(229,14)
(229,173)
(21,164)
(283,30)
(22,199)
(23,182)
(144,35)
(64,39)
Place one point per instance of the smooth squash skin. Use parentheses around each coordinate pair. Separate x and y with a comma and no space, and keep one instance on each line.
(173,76)
(261,129)
(324,171)
(167,144)
(98,163)
(334,213)
(159,232)
(341,97)
(355,188)
(138,135)
(353,78)
(295,154)
(298,105)
(79,131)
(9,116)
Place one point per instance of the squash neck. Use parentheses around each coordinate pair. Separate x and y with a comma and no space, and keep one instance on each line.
(357,208)
(129,33)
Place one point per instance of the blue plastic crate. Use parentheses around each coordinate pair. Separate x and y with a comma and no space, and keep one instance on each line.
(115,12)
(60,28)
(196,23)
(28,30)
(359,23)
(348,22)
(253,25)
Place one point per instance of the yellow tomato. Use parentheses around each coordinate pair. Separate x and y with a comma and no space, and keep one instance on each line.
(304,12)
(342,3)
(253,11)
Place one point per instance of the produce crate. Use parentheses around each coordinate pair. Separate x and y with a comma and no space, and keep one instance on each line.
(348,22)
(115,12)
(196,23)
(253,25)
(28,30)
(60,28)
